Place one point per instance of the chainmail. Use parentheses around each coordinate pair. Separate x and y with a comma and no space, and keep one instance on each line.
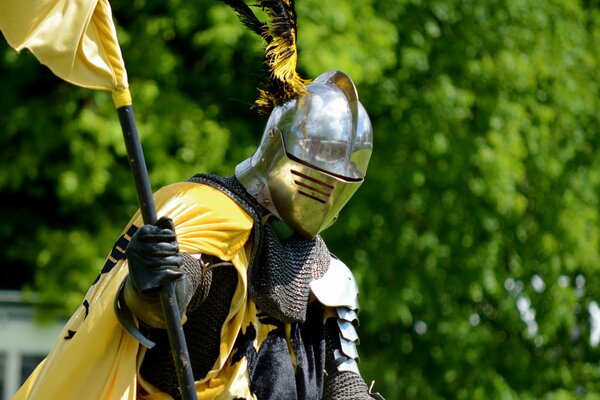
(197,281)
(202,332)
(331,335)
(279,280)
(345,385)
(280,271)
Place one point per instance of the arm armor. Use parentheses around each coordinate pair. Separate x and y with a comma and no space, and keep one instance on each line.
(337,289)
(190,291)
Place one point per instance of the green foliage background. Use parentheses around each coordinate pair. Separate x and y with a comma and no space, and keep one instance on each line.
(475,238)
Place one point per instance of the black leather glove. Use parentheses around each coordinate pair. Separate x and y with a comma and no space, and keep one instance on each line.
(153,256)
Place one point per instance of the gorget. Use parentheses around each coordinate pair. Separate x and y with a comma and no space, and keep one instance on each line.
(280,271)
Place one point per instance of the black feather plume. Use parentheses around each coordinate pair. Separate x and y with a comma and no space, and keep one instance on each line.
(247,16)
(284,83)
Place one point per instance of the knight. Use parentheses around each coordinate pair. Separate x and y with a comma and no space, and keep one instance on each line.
(268,311)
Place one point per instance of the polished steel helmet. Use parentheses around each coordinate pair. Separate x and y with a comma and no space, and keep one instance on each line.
(313,155)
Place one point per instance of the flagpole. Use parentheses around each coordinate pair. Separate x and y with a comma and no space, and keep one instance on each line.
(181,357)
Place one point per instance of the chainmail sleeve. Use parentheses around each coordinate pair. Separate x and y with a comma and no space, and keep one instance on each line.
(190,291)
(198,278)
(345,386)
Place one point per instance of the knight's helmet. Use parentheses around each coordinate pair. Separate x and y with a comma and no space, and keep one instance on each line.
(313,155)
(318,140)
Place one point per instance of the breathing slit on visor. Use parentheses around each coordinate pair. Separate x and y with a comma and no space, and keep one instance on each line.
(324,190)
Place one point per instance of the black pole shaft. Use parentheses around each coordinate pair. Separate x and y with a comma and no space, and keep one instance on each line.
(137,164)
(181,357)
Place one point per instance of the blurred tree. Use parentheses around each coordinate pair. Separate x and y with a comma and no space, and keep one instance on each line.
(480,258)
(475,237)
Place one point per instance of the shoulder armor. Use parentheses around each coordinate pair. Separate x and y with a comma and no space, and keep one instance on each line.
(337,287)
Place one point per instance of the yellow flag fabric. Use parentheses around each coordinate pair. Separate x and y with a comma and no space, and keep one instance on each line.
(76,39)
(94,358)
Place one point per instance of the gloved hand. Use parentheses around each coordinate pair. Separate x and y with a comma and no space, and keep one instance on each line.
(153,256)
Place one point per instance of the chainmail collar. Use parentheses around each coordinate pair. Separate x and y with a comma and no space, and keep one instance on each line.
(280,271)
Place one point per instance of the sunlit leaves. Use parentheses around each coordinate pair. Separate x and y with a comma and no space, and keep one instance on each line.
(475,237)
(488,182)
(349,36)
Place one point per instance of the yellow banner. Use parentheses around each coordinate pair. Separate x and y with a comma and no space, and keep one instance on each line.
(76,39)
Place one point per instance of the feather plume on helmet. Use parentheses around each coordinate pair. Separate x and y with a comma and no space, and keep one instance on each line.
(281,53)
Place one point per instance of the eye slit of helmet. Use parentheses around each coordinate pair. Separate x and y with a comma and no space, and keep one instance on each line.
(311,196)
(301,175)
(342,177)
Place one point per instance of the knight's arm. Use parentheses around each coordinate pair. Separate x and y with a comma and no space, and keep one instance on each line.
(337,290)
(190,290)
(153,259)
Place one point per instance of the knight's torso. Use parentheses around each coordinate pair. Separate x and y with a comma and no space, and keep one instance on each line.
(281,342)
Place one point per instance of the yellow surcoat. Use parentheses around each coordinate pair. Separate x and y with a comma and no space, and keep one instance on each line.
(100,359)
